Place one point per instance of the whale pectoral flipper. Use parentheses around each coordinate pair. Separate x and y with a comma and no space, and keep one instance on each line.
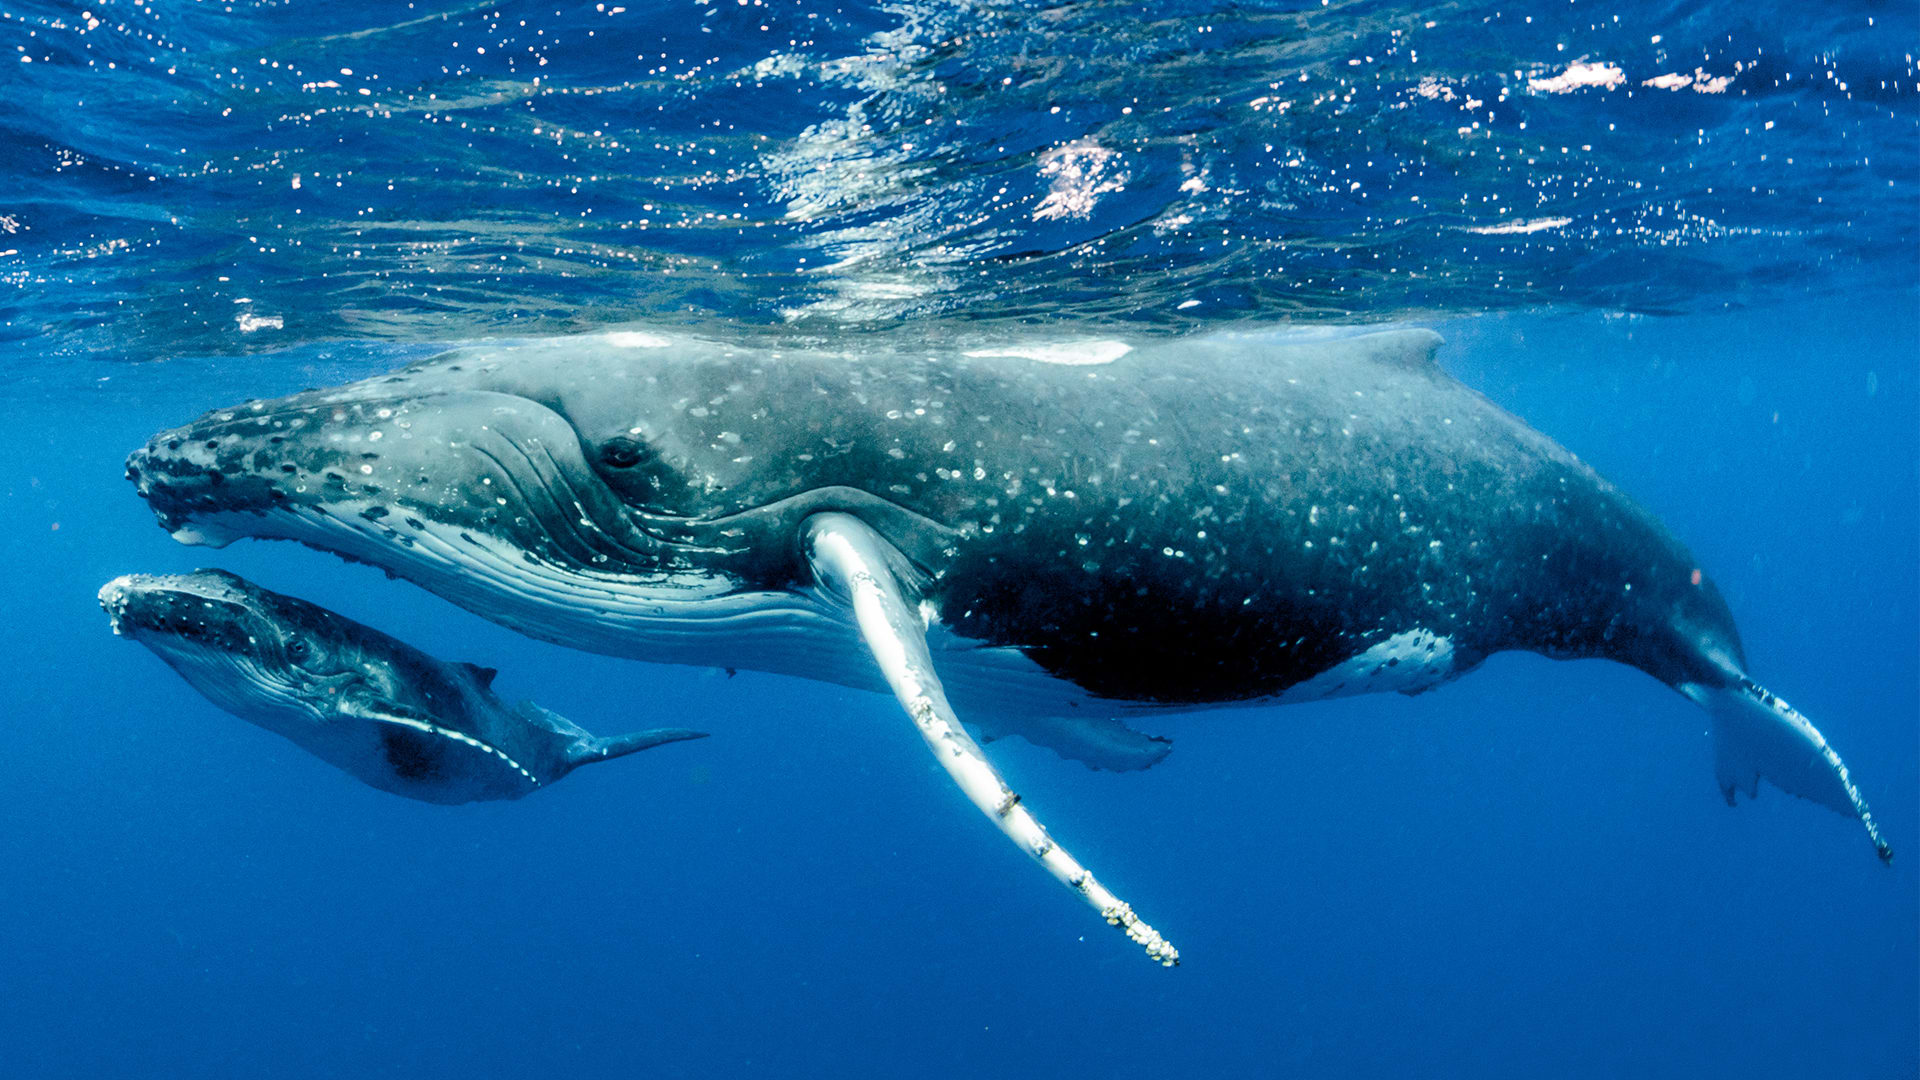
(854,563)
(1756,735)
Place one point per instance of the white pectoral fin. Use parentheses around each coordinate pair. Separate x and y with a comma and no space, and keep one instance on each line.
(1756,735)
(857,565)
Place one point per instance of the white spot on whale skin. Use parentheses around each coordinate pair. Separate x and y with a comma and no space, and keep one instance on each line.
(635,339)
(1070,353)
(1407,662)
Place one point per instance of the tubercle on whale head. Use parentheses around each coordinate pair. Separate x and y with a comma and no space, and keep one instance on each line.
(247,458)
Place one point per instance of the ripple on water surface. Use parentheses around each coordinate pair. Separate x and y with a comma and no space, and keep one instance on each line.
(188,180)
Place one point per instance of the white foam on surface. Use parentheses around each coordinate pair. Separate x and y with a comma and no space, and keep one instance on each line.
(1521,228)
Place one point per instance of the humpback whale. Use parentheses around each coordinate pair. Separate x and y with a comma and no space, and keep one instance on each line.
(1062,537)
(374,707)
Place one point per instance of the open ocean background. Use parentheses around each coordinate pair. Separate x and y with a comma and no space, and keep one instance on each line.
(1682,238)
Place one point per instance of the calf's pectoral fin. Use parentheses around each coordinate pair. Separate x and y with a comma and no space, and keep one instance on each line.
(425,753)
(1756,735)
(856,565)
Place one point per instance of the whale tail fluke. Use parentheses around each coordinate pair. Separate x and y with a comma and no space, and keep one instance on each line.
(631,743)
(1758,736)
(586,748)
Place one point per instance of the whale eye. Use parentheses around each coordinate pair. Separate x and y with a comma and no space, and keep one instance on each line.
(297,649)
(622,453)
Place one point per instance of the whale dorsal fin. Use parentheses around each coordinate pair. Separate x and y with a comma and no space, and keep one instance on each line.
(482,675)
(542,717)
(1412,348)
(1409,348)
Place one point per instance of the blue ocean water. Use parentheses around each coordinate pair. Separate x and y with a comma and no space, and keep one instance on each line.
(1678,237)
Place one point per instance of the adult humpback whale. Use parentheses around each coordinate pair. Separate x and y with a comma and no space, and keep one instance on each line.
(1064,534)
(374,707)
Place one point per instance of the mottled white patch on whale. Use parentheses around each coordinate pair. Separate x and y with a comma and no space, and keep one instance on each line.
(1070,353)
(635,339)
(1407,662)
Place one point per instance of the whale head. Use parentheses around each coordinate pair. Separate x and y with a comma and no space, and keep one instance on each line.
(275,660)
(556,487)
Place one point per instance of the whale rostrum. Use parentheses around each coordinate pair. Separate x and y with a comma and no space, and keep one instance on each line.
(1063,537)
(370,705)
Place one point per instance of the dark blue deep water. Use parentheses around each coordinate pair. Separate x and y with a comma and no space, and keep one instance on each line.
(1682,238)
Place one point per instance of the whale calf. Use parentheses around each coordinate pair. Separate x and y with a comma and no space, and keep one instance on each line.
(372,706)
(1061,536)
